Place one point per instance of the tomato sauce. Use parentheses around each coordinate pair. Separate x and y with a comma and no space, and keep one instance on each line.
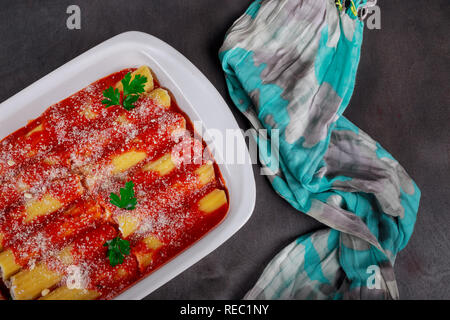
(67,153)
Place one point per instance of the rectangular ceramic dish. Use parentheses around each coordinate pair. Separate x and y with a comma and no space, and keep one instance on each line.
(194,94)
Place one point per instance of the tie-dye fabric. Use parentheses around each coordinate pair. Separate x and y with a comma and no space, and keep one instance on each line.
(290,65)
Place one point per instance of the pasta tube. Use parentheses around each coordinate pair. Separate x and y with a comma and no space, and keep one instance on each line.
(59,194)
(64,293)
(104,277)
(161,97)
(29,284)
(213,201)
(145,250)
(71,222)
(129,222)
(142,71)
(137,151)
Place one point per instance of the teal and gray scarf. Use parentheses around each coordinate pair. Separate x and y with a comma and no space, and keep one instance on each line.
(290,65)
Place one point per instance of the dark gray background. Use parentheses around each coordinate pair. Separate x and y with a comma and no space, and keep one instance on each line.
(401,100)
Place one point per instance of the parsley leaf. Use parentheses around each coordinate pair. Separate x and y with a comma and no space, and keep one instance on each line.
(126,200)
(131,91)
(129,100)
(117,250)
(112,97)
(133,87)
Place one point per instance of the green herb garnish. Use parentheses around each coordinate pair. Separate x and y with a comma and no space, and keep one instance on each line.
(118,248)
(133,87)
(129,100)
(131,91)
(112,97)
(126,200)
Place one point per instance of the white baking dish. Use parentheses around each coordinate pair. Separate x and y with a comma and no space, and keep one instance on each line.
(195,95)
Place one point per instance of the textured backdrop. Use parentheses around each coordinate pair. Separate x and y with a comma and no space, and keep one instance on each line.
(401,99)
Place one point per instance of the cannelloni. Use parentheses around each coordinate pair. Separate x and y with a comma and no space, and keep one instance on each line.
(102,189)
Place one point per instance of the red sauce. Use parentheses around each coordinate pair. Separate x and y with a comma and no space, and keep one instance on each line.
(66,153)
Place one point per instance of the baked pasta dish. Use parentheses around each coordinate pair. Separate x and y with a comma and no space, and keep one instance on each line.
(102,189)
